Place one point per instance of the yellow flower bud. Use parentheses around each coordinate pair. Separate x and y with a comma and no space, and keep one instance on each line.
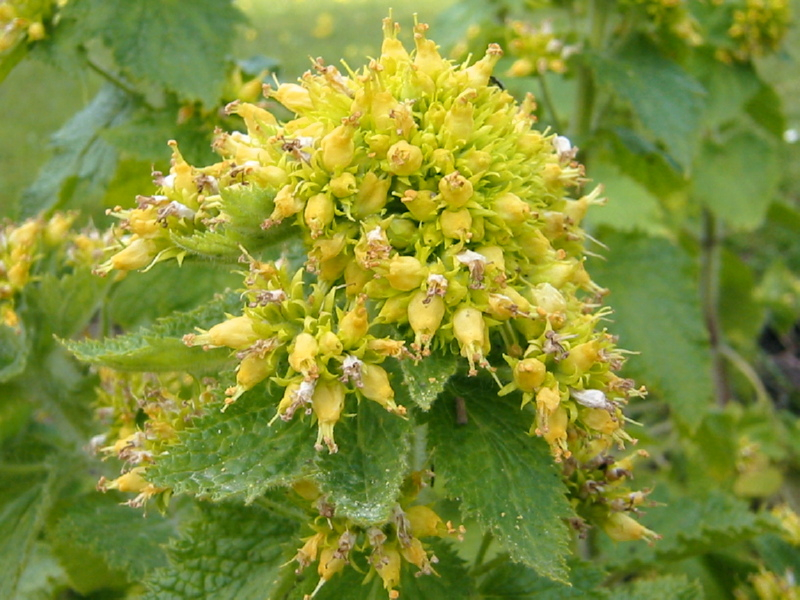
(422,205)
(404,159)
(253,369)
(356,277)
(353,325)
(132,481)
(529,374)
(470,331)
(376,387)
(479,73)
(338,147)
(388,565)
(427,58)
(294,97)
(456,189)
(344,185)
(330,345)
(549,299)
(136,255)
(425,314)
(621,527)
(19,274)
(319,213)
(303,354)
(36,31)
(236,333)
(554,432)
(456,224)
(599,419)
(286,204)
(327,403)
(580,359)
(372,196)
(475,161)
(308,553)
(424,521)
(394,310)
(144,223)
(328,565)
(57,227)
(406,273)
(512,209)
(416,555)
(25,235)
(458,123)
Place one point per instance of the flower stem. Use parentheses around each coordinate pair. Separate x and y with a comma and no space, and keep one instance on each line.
(709,290)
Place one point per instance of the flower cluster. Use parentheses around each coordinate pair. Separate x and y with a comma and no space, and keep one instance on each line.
(434,217)
(337,541)
(24,245)
(672,17)
(143,414)
(758,28)
(537,49)
(20,20)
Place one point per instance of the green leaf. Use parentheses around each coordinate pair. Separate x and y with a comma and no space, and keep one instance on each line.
(21,519)
(505,479)
(181,45)
(423,381)
(168,290)
(738,178)
(765,109)
(66,303)
(237,454)
(80,155)
(741,315)
(630,206)
(690,526)
(668,587)
(227,553)
(13,351)
(119,536)
(729,87)
(514,581)
(43,576)
(665,98)
(363,479)
(10,59)
(657,313)
(160,347)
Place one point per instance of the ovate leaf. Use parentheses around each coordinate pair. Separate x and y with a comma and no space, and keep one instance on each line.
(117,535)
(13,351)
(668,587)
(81,156)
(514,581)
(505,479)
(160,347)
(227,553)
(657,313)
(180,45)
(737,179)
(665,98)
(363,479)
(237,453)
(423,381)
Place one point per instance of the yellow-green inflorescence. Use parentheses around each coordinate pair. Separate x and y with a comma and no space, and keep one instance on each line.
(435,218)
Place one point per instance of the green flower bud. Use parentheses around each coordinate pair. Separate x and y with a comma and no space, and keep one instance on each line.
(372,196)
(512,209)
(343,185)
(423,205)
(403,158)
(456,190)
(456,224)
(406,273)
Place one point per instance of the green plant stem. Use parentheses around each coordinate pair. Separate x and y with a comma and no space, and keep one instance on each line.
(116,81)
(486,542)
(738,361)
(292,513)
(548,102)
(583,123)
(709,290)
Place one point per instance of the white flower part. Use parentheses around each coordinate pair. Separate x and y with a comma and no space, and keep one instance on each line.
(562,145)
(591,398)
(96,442)
(250,164)
(180,210)
(158,199)
(553,46)
(305,392)
(351,370)
(791,136)
(241,137)
(376,235)
(304,141)
(168,181)
(469,257)
(437,285)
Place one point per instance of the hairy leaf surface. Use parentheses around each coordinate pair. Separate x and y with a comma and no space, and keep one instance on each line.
(363,479)
(504,478)
(657,313)
(227,553)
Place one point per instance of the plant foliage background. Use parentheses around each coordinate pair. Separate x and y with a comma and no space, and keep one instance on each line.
(686,118)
